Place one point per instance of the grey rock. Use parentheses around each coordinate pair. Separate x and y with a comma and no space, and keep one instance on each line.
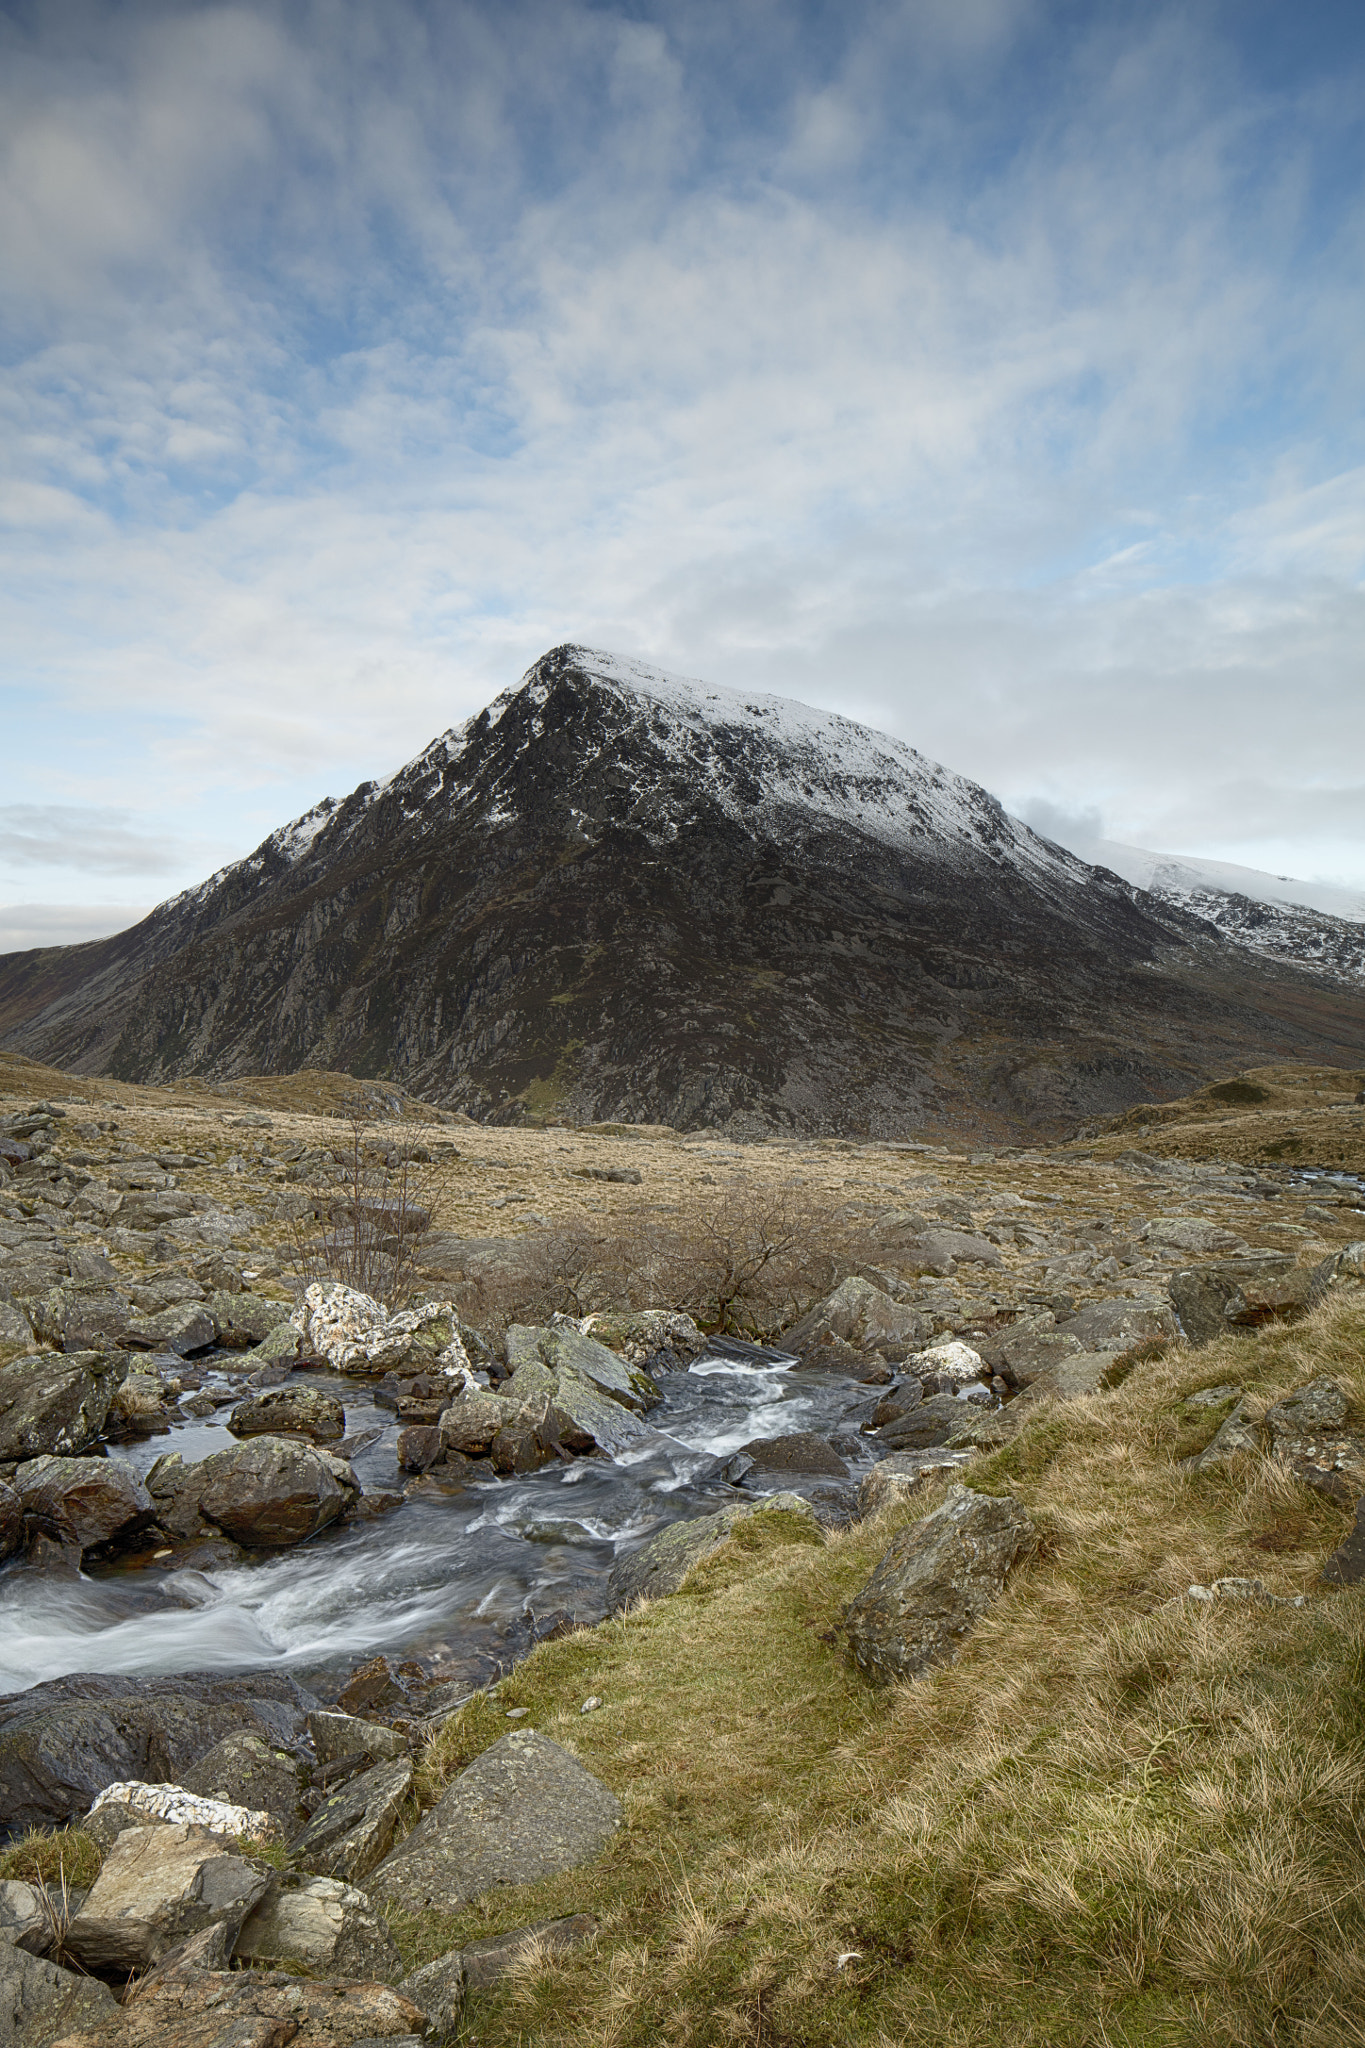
(1120,1325)
(90,1502)
(1318,1409)
(15,1328)
(1024,1358)
(242,1320)
(1342,1269)
(336,1735)
(324,1928)
(157,1885)
(273,1492)
(63,1742)
(81,1315)
(246,1770)
(296,1410)
(801,1451)
(351,1831)
(1238,1436)
(11,1520)
(26,1917)
(1346,1565)
(1232,1294)
(933,1585)
(524,1810)
(141,1406)
(560,1347)
(56,1404)
(473,1420)
(661,1564)
(926,1426)
(182,1328)
(162,1290)
(959,1246)
(40,2003)
(862,1317)
(439,1989)
(903,1474)
(486,1962)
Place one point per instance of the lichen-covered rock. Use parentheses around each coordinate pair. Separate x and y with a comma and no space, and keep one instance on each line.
(661,1564)
(140,1407)
(562,1347)
(183,1327)
(1345,1268)
(352,1829)
(56,1404)
(861,1316)
(254,1773)
(293,1410)
(242,1320)
(81,1315)
(42,2003)
(926,1425)
(473,1420)
(1235,1294)
(904,1473)
(524,1810)
(337,1735)
(180,1803)
(11,1520)
(356,1335)
(951,1363)
(323,1928)
(933,1585)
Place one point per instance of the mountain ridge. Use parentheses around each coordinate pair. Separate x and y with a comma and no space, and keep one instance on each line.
(617,893)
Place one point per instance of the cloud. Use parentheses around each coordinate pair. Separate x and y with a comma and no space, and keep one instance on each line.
(986,375)
(95,841)
(24,926)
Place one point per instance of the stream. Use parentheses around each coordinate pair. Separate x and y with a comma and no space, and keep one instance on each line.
(458,1576)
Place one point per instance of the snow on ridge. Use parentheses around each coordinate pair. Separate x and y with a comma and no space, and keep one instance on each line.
(1178,875)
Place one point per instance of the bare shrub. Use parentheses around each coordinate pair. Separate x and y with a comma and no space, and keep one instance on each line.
(375,1212)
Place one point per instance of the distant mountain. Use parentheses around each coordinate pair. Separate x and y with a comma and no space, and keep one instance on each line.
(1315,925)
(616,894)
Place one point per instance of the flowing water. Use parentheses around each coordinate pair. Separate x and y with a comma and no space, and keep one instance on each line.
(457,1576)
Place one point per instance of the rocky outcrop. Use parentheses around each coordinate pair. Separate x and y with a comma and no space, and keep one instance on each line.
(320,1928)
(860,1319)
(352,1829)
(157,1885)
(1228,1295)
(56,1405)
(934,1584)
(524,1810)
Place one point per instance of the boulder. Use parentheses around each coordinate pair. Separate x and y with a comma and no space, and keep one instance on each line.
(255,1773)
(1232,1294)
(351,1831)
(157,1885)
(802,1451)
(61,1743)
(524,1810)
(56,1404)
(1308,1431)
(904,1473)
(28,1917)
(940,1249)
(1121,1325)
(582,1417)
(486,1962)
(534,1352)
(439,1988)
(323,1929)
(241,1320)
(1342,1269)
(355,1335)
(661,1564)
(81,1315)
(40,2003)
(296,1410)
(656,1339)
(1188,1234)
(933,1585)
(951,1363)
(223,1817)
(16,1331)
(338,1735)
(928,1425)
(162,1290)
(141,1406)
(184,1327)
(272,1492)
(91,1502)
(863,1317)
(1022,1358)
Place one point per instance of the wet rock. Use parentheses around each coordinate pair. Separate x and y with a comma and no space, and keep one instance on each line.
(341,1735)
(800,1451)
(373,1686)
(661,1564)
(1346,1565)
(351,1831)
(272,1492)
(926,1426)
(905,1473)
(254,1773)
(56,1404)
(323,1928)
(41,2003)
(182,1328)
(63,1742)
(864,1318)
(81,1315)
(93,1503)
(141,1406)
(159,1884)
(1233,1294)
(523,1810)
(297,1410)
(933,1585)
(420,1447)
(903,1395)
(487,1962)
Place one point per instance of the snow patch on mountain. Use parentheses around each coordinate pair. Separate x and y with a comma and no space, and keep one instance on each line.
(1174,875)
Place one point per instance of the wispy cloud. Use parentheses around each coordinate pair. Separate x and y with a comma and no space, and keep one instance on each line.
(988,370)
(95,841)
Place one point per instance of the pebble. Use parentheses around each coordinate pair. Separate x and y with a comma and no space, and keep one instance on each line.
(590,1705)
(517,1713)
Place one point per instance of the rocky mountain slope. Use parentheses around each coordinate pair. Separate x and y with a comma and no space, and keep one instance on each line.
(617,894)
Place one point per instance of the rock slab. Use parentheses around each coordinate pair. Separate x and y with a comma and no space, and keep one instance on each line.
(933,1585)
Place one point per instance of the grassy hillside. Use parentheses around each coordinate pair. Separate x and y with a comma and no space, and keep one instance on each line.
(1122,1817)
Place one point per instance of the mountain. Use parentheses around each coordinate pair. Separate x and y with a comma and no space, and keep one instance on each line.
(1316,925)
(617,894)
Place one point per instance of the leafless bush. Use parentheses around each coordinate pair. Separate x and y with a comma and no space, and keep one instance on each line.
(374,1215)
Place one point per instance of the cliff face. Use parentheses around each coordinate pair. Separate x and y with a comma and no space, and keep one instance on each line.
(614,894)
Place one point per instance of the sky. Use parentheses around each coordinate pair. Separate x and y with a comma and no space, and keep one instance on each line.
(986,370)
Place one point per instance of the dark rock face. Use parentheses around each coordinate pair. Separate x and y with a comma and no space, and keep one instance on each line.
(270,1492)
(534,909)
(1241,1293)
(63,1742)
(89,1502)
(303,1411)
